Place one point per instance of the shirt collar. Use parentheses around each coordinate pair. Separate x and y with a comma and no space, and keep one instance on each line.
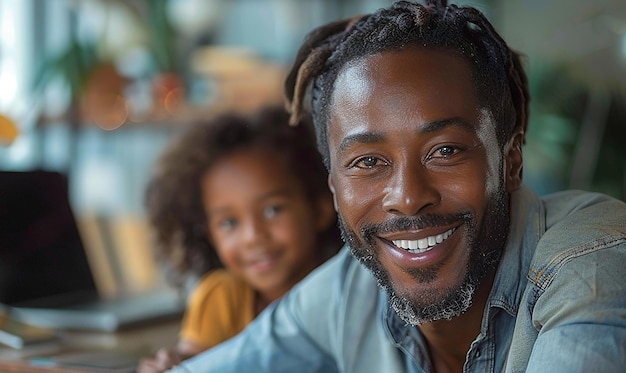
(527,226)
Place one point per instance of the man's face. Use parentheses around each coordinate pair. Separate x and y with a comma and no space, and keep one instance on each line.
(418,179)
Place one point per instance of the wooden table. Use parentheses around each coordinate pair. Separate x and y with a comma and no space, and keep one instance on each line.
(135,342)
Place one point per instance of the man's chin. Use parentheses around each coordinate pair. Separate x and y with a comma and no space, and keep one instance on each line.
(417,308)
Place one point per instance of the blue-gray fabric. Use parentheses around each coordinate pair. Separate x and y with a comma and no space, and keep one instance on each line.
(558,304)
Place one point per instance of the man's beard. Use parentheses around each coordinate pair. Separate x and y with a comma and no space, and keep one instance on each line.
(485,247)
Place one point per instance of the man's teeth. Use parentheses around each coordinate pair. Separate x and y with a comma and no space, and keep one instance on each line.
(425,244)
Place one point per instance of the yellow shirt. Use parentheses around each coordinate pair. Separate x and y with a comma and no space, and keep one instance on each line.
(220,306)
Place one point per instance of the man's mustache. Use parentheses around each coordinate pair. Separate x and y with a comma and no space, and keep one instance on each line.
(408,223)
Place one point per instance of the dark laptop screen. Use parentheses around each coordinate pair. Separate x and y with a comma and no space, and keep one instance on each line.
(42,258)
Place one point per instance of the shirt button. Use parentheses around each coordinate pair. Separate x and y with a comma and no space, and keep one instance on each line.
(477,353)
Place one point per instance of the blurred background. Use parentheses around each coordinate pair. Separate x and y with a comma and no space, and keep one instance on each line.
(94,89)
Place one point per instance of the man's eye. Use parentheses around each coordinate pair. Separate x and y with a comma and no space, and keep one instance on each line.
(445,152)
(368,162)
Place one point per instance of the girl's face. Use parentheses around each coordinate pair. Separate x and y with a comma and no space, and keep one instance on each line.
(260,220)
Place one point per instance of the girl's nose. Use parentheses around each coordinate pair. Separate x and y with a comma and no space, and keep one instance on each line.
(254,230)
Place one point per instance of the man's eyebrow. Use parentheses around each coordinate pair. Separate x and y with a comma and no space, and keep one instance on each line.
(430,127)
(374,137)
(359,138)
(438,125)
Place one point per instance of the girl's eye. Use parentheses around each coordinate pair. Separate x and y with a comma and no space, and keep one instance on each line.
(226,224)
(368,162)
(272,211)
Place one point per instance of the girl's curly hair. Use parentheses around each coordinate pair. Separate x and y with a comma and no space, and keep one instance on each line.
(173,197)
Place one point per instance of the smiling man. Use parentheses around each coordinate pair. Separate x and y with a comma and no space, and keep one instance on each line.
(438,221)
(452,264)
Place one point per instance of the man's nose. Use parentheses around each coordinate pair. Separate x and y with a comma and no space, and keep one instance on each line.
(409,190)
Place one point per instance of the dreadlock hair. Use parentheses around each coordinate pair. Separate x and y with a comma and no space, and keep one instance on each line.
(173,197)
(498,75)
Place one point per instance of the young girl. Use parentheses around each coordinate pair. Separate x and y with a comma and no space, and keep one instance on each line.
(243,202)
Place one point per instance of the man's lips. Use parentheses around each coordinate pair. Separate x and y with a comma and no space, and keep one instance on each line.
(398,247)
(417,245)
(423,244)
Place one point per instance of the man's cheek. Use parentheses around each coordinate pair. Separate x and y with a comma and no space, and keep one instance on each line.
(356,204)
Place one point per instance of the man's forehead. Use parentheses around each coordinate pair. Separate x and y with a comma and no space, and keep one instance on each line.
(358,77)
(404,67)
(411,82)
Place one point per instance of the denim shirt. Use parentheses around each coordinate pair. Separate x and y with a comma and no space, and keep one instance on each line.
(558,304)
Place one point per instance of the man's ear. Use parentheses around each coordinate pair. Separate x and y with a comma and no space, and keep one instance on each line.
(331,186)
(326,206)
(326,215)
(514,161)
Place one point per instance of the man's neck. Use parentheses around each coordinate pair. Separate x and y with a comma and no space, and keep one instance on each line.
(450,340)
